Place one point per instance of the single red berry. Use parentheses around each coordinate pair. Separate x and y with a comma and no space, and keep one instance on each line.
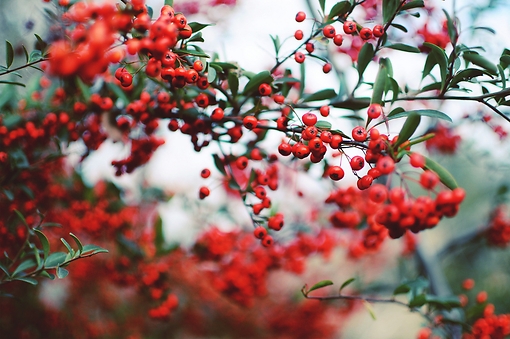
(365,182)
(299,57)
(217,114)
(365,33)
(374,173)
(378,31)
(349,27)
(173,125)
(259,232)
(204,192)
(265,89)
(198,66)
(250,122)
(324,111)
(385,165)
(279,99)
(126,79)
(336,173)
(359,133)
(417,160)
(378,193)
(300,150)
(326,136)
(276,222)
(267,241)
(298,34)
(374,111)
(260,192)
(206,173)
(242,162)
(468,284)
(309,119)
(357,162)
(429,179)
(202,100)
(481,297)
(285,149)
(327,68)
(336,140)
(329,31)
(374,134)
(300,16)
(309,47)
(338,39)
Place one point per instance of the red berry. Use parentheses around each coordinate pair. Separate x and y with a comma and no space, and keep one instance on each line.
(204,192)
(326,136)
(198,66)
(298,34)
(365,33)
(429,179)
(267,241)
(365,182)
(300,16)
(309,47)
(259,232)
(279,99)
(217,114)
(374,134)
(309,119)
(378,193)
(327,68)
(206,173)
(357,163)
(349,27)
(242,162)
(336,173)
(285,149)
(202,100)
(378,31)
(374,111)
(359,133)
(265,89)
(468,284)
(336,140)
(250,122)
(299,57)
(417,160)
(126,79)
(329,31)
(276,222)
(324,111)
(385,165)
(338,39)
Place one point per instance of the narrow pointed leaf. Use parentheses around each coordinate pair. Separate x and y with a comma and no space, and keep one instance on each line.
(219,164)
(389,8)
(346,283)
(320,95)
(404,48)
(365,56)
(446,178)
(410,126)
(379,85)
(66,244)
(28,280)
(195,26)
(369,308)
(55,259)
(233,83)
(432,113)
(25,265)
(77,241)
(320,284)
(413,4)
(44,242)
(9,53)
(481,61)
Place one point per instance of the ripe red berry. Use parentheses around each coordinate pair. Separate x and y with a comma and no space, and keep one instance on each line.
(267,241)
(202,100)
(374,111)
(378,31)
(329,31)
(327,68)
(359,133)
(299,57)
(385,165)
(300,16)
(378,193)
(417,160)
(481,297)
(250,122)
(309,47)
(338,39)
(276,222)
(204,192)
(468,284)
(365,182)
(357,163)
(349,27)
(298,34)
(217,114)
(279,99)
(336,140)
(326,136)
(336,173)
(242,162)
(198,66)
(285,149)
(259,232)
(429,179)
(265,89)
(309,119)
(365,33)
(324,111)
(206,173)
(126,79)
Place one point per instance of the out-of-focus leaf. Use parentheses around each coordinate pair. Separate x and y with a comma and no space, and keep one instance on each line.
(44,242)
(369,308)
(25,265)
(62,272)
(418,301)
(28,280)
(233,83)
(323,125)
(320,95)
(320,284)
(9,53)
(389,8)
(365,56)
(413,4)
(481,61)
(195,26)
(404,47)
(339,9)
(379,85)
(219,164)
(15,83)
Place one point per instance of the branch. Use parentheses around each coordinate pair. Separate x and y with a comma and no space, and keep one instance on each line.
(23,66)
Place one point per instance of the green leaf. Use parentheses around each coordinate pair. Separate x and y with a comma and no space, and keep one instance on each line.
(369,308)
(195,26)
(62,272)
(5,270)
(27,57)
(182,52)
(118,92)
(413,4)
(352,104)
(488,29)
(452,30)
(339,9)
(389,8)
(8,194)
(410,126)
(84,89)
(323,125)
(345,284)
(256,80)
(322,3)
(438,57)
(225,66)
(402,289)
(502,76)
(466,75)
(404,47)
(94,249)
(233,83)
(276,44)
(66,244)
(446,303)
(25,265)
(47,275)
(16,83)
(196,37)
(169,2)
(77,241)
(211,73)
(504,61)
(400,27)
(418,301)
(320,95)
(9,53)
(481,61)
(379,85)
(44,242)
(31,281)
(365,56)
(320,284)
(446,178)
(219,164)
(422,112)
(55,259)
(18,213)
(159,239)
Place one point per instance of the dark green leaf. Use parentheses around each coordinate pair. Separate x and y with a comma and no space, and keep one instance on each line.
(225,66)
(410,126)
(389,8)
(191,52)
(365,56)
(9,53)
(479,60)
(320,95)
(25,265)
(438,57)
(422,112)
(159,239)
(118,92)
(62,272)
(432,87)
(84,89)
(5,270)
(27,57)
(504,61)
(233,83)
(276,44)
(401,289)
(466,75)
(55,259)
(77,241)
(441,303)
(195,26)
(219,164)
(403,47)
(94,249)
(41,44)
(352,104)
(395,111)
(418,301)
(446,178)
(400,27)
(31,281)
(196,37)
(169,2)
(323,125)
(47,275)
(346,283)
(16,83)
(452,30)
(379,85)
(502,76)
(413,4)
(320,284)
(488,29)
(44,242)
(339,9)
(255,81)
(66,244)
(286,80)
(322,3)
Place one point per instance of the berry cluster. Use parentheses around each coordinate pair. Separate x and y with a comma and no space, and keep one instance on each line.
(498,232)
